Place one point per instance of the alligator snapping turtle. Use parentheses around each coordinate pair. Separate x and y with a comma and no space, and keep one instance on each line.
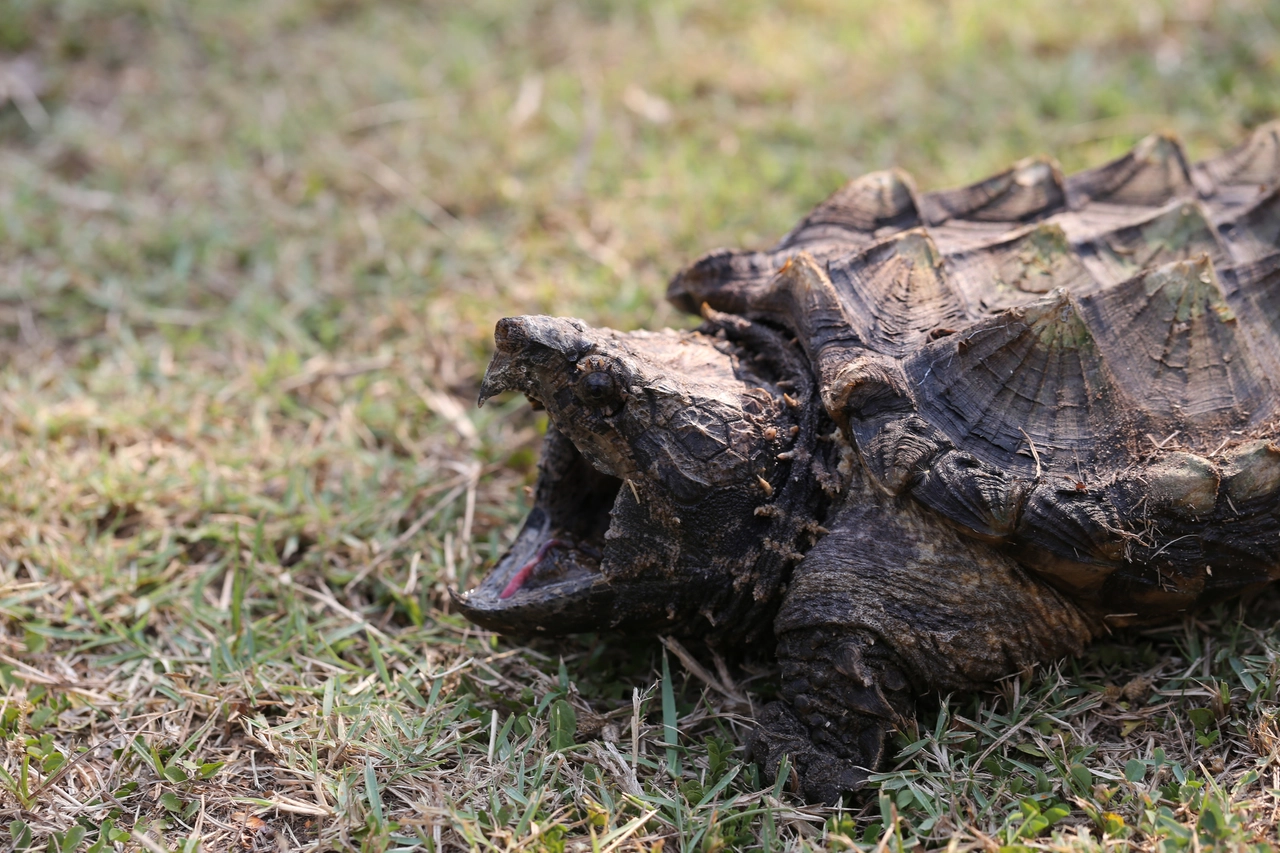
(925,442)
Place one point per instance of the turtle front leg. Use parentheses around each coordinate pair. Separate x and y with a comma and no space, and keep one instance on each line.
(891,605)
(843,694)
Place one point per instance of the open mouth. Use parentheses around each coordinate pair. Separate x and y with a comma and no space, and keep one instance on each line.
(661,448)
(554,563)
(563,538)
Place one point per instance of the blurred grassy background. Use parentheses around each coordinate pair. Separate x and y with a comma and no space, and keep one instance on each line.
(251,254)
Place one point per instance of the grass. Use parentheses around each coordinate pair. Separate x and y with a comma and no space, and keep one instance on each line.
(251,254)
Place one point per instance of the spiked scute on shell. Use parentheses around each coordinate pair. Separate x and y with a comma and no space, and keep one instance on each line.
(1082,368)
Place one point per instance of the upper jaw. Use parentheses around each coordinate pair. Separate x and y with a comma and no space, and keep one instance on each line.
(523,344)
(504,373)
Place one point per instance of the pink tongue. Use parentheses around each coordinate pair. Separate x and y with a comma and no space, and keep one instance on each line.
(527,568)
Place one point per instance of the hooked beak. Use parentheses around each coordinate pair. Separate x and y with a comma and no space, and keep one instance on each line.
(523,343)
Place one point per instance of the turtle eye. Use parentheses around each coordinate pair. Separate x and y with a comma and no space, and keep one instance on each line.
(598,388)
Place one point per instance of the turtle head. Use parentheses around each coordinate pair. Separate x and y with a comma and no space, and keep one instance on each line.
(664,496)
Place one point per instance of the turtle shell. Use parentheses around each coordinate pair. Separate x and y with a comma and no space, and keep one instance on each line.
(1080,369)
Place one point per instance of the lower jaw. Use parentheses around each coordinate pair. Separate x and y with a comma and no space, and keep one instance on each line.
(578,555)
(579,599)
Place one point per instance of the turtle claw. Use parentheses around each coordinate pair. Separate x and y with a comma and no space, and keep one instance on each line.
(817,774)
(843,694)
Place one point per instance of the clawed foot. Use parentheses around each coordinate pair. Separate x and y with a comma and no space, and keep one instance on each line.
(821,775)
(842,697)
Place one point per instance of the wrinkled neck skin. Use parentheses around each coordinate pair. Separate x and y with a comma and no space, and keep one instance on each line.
(682,477)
